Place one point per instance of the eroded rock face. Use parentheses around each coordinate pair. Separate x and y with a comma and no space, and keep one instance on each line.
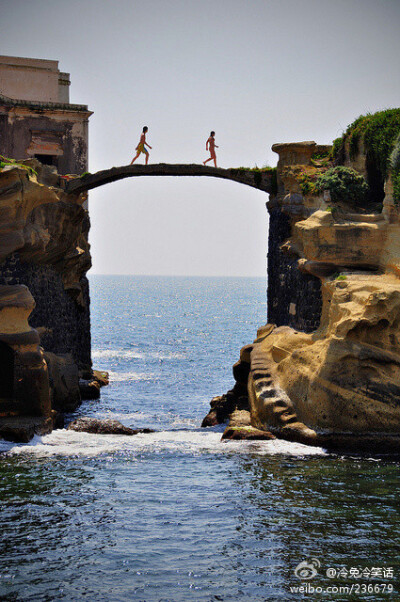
(339,385)
(21,429)
(44,250)
(64,382)
(43,224)
(27,390)
(25,402)
(343,380)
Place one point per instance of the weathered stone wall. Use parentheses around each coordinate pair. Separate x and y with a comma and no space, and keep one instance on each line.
(29,129)
(294,298)
(36,117)
(66,323)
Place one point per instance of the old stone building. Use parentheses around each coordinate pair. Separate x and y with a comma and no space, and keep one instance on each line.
(36,117)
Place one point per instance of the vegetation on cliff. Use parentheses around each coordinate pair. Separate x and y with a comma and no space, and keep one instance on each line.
(6,162)
(377,133)
(344,184)
(258,172)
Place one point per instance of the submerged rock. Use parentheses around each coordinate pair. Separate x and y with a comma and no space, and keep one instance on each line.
(246,433)
(101,377)
(240,429)
(106,426)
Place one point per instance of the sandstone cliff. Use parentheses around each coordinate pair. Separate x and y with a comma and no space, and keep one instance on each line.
(326,369)
(44,300)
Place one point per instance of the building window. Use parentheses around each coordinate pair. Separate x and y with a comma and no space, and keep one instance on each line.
(47,159)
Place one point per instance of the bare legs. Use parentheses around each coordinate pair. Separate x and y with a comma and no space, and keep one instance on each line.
(134,158)
(214,158)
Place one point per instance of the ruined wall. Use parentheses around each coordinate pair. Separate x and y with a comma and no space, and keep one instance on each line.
(36,117)
(294,297)
(56,133)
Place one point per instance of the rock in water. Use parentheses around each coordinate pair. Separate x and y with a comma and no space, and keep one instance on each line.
(240,429)
(246,433)
(103,427)
(89,389)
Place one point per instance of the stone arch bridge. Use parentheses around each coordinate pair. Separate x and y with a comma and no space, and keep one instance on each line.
(260,179)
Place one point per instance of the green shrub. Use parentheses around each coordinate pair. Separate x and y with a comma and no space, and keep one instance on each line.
(378,131)
(337,149)
(344,184)
(354,144)
(307,184)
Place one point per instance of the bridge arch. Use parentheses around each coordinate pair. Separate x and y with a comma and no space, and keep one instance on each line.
(261,179)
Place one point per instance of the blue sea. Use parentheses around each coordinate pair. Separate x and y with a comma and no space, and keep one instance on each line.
(177,515)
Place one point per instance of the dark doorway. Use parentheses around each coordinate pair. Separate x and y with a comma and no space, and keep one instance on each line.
(47,159)
(376,181)
(6,371)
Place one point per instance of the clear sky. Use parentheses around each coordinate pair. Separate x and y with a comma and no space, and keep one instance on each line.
(255,71)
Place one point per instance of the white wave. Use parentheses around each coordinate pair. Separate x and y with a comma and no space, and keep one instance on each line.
(135,354)
(118,377)
(117,353)
(71,443)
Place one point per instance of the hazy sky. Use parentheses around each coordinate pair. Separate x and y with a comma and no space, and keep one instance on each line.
(256,71)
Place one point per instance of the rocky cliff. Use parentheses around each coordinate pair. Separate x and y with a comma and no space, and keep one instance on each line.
(325,370)
(44,299)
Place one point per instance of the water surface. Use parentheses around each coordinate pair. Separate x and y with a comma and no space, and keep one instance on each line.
(178,515)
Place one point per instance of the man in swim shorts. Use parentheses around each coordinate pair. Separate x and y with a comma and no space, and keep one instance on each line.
(141,147)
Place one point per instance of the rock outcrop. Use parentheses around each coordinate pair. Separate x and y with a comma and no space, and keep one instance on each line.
(44,299)
(241,429)
(24,381)
(106,426)
(326,369)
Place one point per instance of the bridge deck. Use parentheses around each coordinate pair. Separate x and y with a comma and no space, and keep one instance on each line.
(262,180)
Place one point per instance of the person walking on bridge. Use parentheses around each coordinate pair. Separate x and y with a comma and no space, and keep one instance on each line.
(210,144)
(141,147)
